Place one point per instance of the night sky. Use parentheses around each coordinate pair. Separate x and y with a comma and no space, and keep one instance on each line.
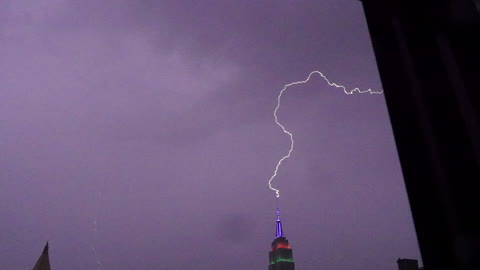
(145,129)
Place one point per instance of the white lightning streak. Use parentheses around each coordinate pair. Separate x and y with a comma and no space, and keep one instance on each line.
(95,231)
(277,192)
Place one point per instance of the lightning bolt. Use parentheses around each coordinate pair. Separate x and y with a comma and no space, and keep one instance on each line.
(279,163)
(95,232)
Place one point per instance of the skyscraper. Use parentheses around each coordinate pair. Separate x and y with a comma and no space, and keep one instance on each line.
(281,257)
(427,54)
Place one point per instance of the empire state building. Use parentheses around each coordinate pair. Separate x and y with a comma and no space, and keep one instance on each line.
(281,257)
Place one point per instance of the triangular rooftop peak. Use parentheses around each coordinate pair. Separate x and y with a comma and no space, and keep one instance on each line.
(43,262)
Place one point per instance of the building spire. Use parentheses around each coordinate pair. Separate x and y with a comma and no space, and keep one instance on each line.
(281,254)
(279,225)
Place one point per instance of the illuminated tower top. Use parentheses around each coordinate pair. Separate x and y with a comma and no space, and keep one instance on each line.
(281,257)
(279,225)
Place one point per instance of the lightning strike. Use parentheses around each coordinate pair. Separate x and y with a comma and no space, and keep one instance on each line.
(94,236)
(279,163)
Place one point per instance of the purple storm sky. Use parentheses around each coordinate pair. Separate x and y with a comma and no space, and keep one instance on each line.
(153,119)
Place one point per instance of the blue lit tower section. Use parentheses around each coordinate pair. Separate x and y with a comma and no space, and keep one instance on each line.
(281,257)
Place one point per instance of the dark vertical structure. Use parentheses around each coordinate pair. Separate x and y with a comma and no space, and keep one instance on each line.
(407,264)
(428,56)
(281,257)
(43,262)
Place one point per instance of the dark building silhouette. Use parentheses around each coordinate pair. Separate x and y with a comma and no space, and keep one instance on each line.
(43,262)
(281,256)
(428,55)
(407,264)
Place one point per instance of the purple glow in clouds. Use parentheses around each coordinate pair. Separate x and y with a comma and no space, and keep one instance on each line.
(144,128)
